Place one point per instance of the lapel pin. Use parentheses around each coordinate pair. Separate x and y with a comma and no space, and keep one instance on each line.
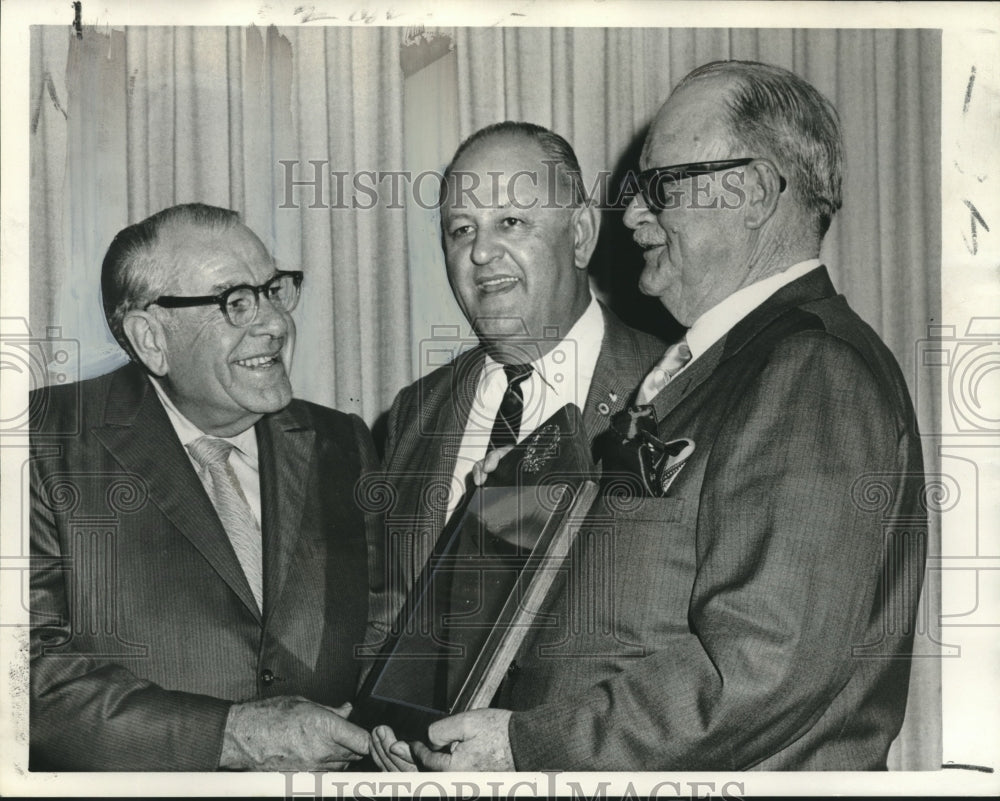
(613,396)
(603,408)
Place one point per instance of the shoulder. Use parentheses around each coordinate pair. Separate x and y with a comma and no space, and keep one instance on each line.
(439,382)
(337,432)
(66,408)
(622,339)
(327,421)
(825,349)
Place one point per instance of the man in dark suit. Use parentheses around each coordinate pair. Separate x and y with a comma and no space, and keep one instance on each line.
(518,233)
(754,603)
(200,566)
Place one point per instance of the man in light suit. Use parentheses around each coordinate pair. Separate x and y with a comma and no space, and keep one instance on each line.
(760,597)
(200,566)
(518,233)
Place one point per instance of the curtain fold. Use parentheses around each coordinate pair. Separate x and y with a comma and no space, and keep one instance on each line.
(158,116)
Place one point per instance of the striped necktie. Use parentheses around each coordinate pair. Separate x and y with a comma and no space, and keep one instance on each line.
(677,355)
(212,456)
(507,424)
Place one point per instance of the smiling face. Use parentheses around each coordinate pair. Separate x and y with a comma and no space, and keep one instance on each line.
(516,252)
(222,378)
(696,250)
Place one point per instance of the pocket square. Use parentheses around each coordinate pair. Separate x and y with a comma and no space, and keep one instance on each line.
(641,452)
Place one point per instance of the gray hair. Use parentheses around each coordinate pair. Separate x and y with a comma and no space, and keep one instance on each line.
(775,112)
(133,274)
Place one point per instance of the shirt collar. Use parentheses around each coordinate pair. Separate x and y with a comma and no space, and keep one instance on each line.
(587,335)
(721,318)
(188,432)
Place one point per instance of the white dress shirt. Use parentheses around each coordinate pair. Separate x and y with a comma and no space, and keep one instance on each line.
(718,321)
(243,458)
(561,376)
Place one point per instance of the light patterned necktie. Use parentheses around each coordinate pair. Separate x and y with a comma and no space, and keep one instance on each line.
(673,360)
(223,487)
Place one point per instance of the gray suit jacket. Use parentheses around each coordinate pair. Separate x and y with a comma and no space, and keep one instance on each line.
(760,615)
(427,421)
(144,628)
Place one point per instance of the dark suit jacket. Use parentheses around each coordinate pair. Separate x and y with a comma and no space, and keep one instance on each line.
(760,615)
(144,628)
(428,418)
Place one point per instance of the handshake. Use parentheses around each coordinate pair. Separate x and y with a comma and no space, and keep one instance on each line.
(292,733)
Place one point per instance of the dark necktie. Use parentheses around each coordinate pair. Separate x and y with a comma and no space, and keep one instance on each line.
(507,425)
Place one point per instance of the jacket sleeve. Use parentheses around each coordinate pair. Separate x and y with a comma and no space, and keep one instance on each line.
(369,496)
(787,567)
(90,715)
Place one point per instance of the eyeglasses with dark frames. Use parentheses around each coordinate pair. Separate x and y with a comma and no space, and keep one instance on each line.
(653,183)
(240,303)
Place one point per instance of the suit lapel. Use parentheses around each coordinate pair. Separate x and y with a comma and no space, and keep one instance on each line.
(618,370)
(452,418)
(285,445)
(138,434)
(814,285)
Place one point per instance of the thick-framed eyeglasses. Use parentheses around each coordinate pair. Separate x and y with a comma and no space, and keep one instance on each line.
(655,183)
(240,303)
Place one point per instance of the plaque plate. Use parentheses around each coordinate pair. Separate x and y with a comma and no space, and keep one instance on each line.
(468,612)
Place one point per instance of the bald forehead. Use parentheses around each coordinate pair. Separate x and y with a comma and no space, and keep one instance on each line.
(507,147)
(692,125)
(186,249)
(507,170)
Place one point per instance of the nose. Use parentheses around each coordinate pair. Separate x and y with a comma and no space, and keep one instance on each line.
(637,212)
(270,320)
(485,248)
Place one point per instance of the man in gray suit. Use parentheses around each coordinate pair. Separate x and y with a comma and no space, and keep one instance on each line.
(199,565)
(518,233)
(760,593)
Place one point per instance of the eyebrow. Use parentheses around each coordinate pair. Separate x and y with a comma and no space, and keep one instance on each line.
(218,289)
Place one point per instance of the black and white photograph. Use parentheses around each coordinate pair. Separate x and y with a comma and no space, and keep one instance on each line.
(500,400)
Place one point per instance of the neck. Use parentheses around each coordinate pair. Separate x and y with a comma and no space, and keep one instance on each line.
(774,255)
(204,422)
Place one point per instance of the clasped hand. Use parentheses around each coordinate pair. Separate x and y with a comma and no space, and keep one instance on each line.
(468,741)
(291,733)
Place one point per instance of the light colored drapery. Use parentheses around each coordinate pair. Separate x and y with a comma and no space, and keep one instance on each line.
(127,122)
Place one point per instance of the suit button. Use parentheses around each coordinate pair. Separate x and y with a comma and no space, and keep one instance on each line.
(267,677)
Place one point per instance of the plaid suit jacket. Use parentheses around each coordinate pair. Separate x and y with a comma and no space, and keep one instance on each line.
(760,614)
(144,629)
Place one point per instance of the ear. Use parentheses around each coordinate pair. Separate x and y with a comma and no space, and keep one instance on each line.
(586,226)
(762,192)
(148,339)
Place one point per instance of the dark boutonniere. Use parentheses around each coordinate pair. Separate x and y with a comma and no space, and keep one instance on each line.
(643,453)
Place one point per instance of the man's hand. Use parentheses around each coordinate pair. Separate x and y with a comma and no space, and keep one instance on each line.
(390,754)
(290,733)
(486,465)
(478,742)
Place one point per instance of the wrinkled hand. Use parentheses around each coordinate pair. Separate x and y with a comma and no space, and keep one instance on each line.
(486,465)
(478,742)
(390,754)
(290,733)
